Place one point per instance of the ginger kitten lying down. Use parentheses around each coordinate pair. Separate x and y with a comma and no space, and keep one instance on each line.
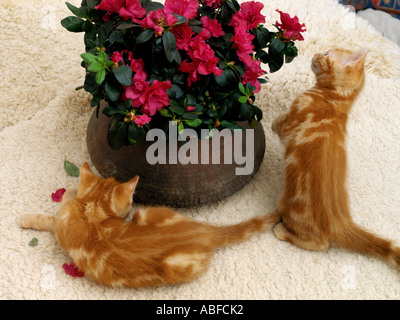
(315,205)
(159,246)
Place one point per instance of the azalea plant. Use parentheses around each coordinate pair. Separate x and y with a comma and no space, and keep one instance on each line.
(197,63)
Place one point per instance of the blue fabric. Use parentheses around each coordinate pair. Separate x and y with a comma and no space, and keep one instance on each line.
(391,6)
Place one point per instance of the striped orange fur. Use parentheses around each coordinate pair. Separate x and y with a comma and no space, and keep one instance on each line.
(158,246)
(315,204)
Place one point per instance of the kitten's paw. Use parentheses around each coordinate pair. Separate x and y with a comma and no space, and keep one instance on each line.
(280,232)
(27,221)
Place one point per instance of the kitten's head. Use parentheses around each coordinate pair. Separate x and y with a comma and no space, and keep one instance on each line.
(107,192)
(339,68)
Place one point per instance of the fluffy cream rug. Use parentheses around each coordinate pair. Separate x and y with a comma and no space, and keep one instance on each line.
(42,120)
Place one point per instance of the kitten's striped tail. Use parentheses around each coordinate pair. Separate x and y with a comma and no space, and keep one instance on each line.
(230,234)
(357,239)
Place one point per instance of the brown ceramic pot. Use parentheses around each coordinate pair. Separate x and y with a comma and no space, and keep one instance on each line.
(174,185)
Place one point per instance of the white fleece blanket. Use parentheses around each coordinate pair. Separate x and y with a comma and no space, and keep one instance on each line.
(43,119)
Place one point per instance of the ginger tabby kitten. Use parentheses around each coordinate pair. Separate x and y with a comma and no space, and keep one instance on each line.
(158,246)
(315,205)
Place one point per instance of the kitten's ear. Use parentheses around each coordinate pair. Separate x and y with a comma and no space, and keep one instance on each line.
(130,186)
(357,58)
(85,172)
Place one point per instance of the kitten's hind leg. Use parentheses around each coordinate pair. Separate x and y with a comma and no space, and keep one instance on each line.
(38,222)
(284,234)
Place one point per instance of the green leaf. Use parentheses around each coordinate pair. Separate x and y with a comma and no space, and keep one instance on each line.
(92,3)
(73,24)
(246,110)
(276,45)
(135,134)
(226,78)
(262,80)
(110,111)
(263,36)
(100,76)
(169,43)
(180,127)
(165,113)
(241,88)
(71,169)
(124,75)
(176,109)
(189,116)
(103,35)
(33,242)
(102,57)
(90,84)
(90,43)
(175,92)
(97,97)
(276,62)
(152,6)
(116,36)
(112,91)
(222,79)
(243,99)
(257,113)
(193,123)
(116,135)
(95,67)
(90,37)
(145,36)
(109,63)
(181,19)
(79,12)
(89,58)
(87,26)
(230,125)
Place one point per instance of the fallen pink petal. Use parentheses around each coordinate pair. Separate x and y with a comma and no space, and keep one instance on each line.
(57,196)
(72,270)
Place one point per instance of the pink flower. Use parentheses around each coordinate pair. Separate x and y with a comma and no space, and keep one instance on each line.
(185,8)
(253,72)
(214,4)
(209,66)
(242,40)
(110,5)
(199,49)
(203,62)
(132,10)
(141,120)
(158,20)
(249,14)
(57,196)
(211,28)
(72,270)
(137,66)
(136,92)
(191,68)
(117,56)
(199,67)
(183,34)
(190,108)
(291,27)
(156,97)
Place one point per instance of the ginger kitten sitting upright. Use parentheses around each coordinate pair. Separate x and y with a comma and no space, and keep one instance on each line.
(159,246)
(315,205)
